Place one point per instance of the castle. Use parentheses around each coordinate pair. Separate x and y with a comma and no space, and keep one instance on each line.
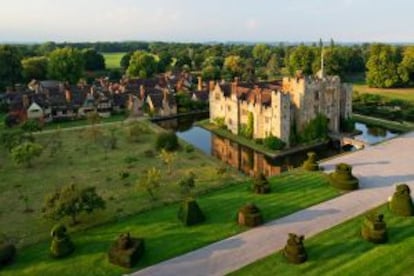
(276,107)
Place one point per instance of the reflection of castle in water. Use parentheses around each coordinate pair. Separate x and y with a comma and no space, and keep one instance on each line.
(244,159)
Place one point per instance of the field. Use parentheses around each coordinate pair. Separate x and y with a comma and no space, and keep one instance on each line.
(165,237)
(341,251)
(406,94)
(112,60)
(82,162)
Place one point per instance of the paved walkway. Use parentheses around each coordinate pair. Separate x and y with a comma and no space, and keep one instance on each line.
(377,167)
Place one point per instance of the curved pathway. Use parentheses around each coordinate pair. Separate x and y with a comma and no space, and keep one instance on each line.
(378,168)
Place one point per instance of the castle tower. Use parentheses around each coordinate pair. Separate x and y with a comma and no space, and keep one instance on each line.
(321,73)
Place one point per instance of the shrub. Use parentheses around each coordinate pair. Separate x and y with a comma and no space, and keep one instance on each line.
(190,213)
(310,164)
(220,122)
(294,250)
(126,251)
(189,148)
(374,228)
(7,253)
(343,179)
(130,159)
(167,140)
(135,130)
(401,203)
(123,175)
(187,184)
(221,170)
(249,215)
(348,125)
(12,138)
(61,245)
(260,184)
(273,143)
(149,154)
(315,129)
(259,141)
(24,153)
(31,126)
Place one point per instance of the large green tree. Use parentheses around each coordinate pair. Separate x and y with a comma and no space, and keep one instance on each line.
(66,64)
(261,54)
(70,201)
(10,66)
(35,68)
(93,60)
(142,64)
(233,66)
(406,69)
(382,66)
(301,59)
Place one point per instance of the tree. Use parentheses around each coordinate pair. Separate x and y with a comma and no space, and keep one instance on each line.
(261,54)
(142,64)
(382,66)
(65,64)
(273,67)
(125,60)
(26,152)
(167,158)
(35,68)
(93,61)
(165,59)
(70,201)
(301,58)
(406,68)
(10,66)
(150,181)
(233,66)
(211,72)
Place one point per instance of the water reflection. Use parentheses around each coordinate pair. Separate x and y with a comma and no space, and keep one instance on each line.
(373,134)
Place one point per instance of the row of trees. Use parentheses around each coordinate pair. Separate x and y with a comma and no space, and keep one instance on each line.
(386,65)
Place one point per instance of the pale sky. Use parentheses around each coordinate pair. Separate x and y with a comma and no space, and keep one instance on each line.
(207,20)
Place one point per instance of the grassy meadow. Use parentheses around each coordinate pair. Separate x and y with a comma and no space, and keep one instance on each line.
(406,94)
(112,60)
(341,251)
(165,237)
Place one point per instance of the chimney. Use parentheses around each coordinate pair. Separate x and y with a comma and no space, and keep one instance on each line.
(68,95)
(211,85)
(26,101)
(142,91)
(200,83)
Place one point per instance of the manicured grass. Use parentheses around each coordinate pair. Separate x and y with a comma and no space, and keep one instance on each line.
(392,125)
(83,162)
(341,251)
(406,94)
(165,237)
(112,60)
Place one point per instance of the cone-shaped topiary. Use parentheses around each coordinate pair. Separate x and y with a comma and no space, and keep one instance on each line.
(7,253)
(374,228)
(190,213)
(61,244)
(343,179)
(401,203)
(310,164)
(249,215)
(294,250)
(126,251)
(260,184)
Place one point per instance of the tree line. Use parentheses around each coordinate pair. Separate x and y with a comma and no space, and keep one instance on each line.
(384,65)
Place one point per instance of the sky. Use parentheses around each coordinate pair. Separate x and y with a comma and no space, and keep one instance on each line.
(207,20)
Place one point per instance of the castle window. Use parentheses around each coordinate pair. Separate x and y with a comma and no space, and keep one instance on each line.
(230,122)
(317,96)
(217,96)
(267,119)
(228,108)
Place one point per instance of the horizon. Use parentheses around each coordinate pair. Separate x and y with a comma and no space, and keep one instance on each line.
(295,21)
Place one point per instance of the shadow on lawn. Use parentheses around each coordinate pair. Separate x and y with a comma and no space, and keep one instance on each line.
(306,215)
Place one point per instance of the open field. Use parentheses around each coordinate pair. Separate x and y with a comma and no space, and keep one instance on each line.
(165,237)
(341,251)
(406,94)
(112,60)
(83,162)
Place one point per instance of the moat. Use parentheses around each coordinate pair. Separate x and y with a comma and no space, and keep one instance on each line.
(250,161)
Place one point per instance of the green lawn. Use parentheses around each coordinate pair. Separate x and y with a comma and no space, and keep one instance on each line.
(165,237)
(83,162)
(112,60)
(341,251)
(406,94)
(392,125)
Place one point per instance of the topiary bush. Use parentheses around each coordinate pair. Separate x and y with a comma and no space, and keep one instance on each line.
(374,228)
(310,164)
(249,215)
(273,143)
(190,213)
(343,179)
(126,251)
(167,140)
(294,250)
(261,184)
(7,253)
(61,245)
(401,203)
